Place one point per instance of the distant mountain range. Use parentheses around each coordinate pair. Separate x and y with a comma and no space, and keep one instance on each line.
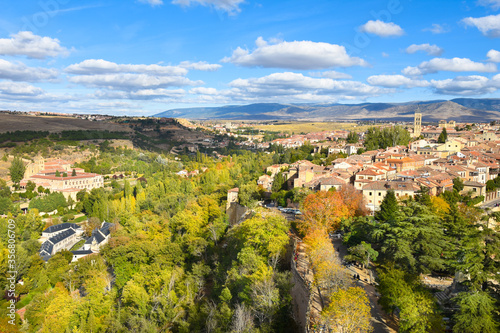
(460,109)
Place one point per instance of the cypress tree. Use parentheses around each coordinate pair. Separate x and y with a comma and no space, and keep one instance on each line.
(388,208)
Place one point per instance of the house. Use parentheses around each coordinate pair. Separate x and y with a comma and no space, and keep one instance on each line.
(59,237)
(375,192)
(266,182)
(367,176)
(475,188)
(100,236)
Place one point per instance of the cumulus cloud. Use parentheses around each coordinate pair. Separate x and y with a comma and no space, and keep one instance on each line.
(493,55)
(495,4)
(141,94)
(464,85)
(19,89)
(28,44)
(437,28)
(488,25)
(294,55)
(452,65)
(382,29)
(429,49)
(331,75)
(200,66)
(20,72)
(152,2)
(129,81)
(394,81)
(100,66)
(230,6)
(288,83)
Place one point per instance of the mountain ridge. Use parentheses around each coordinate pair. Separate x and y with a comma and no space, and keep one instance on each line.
(458,109)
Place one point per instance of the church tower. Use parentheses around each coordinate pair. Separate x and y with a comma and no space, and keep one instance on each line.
(417,124)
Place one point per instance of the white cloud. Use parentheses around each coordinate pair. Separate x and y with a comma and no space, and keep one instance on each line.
(19,89)
(128,81)
(28,44)
(152,2)
(464,85)
(488,25)
(452,65)
(394,81)
(493,55)
(20,72)
(289,84)
(230,6)
(141,94)
(437,28)
(100,66)
(382,29)
(200,66)
(429,49)
(331,75)
(294,55)
(495,4)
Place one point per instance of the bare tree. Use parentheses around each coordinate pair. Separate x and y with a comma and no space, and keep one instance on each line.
(242,319)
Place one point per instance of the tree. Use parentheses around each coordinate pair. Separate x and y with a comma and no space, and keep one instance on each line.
(58,174)
(388,208)
(73,173)
(362,253)
(476,313)
(278,182)
(17,170)
(443,136)
(458,184)
(348,311)
(324,210)
(352,137)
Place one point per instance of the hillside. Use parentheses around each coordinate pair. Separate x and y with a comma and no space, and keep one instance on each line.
(24,122)
(461,109)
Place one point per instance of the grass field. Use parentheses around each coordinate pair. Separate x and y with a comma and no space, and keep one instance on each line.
(306,127)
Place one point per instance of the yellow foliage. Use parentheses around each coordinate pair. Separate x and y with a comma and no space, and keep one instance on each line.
(348,311)
(440,206)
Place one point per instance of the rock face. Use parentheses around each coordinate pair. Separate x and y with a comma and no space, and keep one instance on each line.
(460,109)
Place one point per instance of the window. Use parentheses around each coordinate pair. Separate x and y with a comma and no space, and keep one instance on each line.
(379,194)
(370,194)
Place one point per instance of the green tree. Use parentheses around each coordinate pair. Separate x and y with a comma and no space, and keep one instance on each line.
(443,136)
(352,137)
(58,174)
(388,208)
(17,170)
(278,182)
(73,173)
(476,313)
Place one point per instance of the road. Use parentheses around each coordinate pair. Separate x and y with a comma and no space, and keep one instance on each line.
(380,320)
(491,204)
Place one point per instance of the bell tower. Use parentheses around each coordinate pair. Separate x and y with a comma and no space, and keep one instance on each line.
(417,124)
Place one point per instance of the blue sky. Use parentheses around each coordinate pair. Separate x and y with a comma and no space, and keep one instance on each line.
(141,57)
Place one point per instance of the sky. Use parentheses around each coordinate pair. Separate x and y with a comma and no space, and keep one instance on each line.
(142,57)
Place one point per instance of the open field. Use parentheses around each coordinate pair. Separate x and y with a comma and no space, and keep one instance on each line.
(18,122)
(309,127)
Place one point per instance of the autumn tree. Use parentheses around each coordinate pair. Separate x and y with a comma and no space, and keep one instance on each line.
(323,210)
(348,311)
